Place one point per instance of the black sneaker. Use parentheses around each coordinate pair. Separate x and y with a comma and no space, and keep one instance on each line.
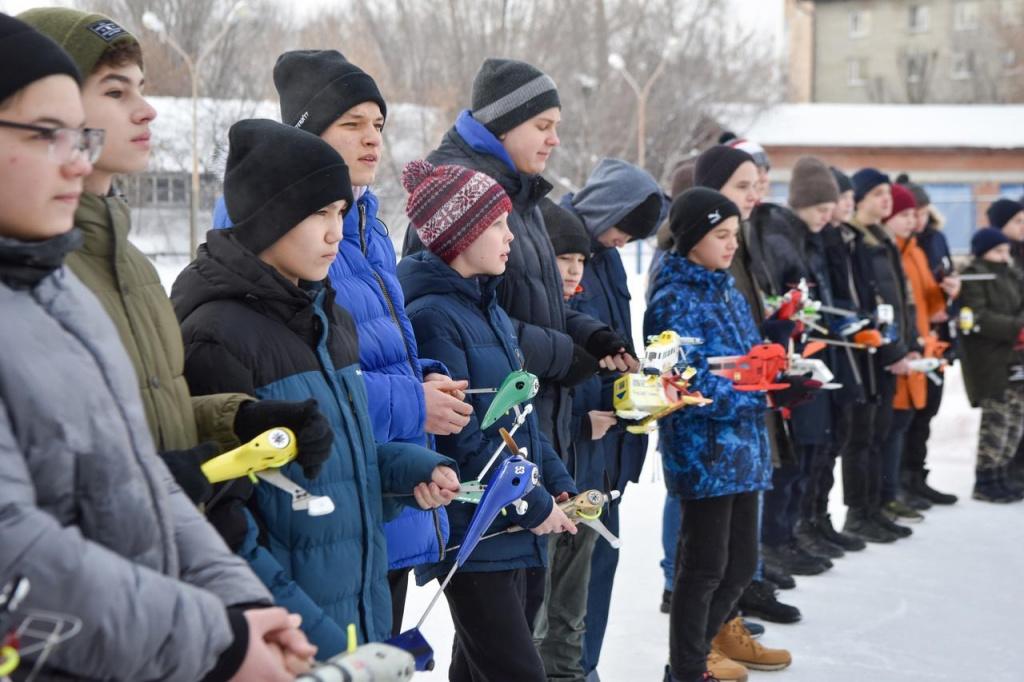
(812,542)
(758,601)
(861,525)
(666,602)
(885,522)
(1010,484)
(822,525)
(991,491)
(779,577)
(895,510)
(793,559)
(919,486)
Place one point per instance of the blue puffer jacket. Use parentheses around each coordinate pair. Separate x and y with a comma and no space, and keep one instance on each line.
(613,190)
(721,448)
(248,329)
(364,273)
(459,322)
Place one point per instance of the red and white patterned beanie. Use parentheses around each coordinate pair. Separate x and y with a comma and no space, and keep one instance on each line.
(450,205)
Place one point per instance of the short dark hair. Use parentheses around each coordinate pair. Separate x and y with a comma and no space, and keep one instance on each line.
(122,54)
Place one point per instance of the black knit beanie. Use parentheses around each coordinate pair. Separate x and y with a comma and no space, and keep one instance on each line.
(986,239)
(695,213)
(842,180)
(717,164)
(865,180)
(276,177)
(1002,211)
(641,222)
(565,228)
(507,93)
(27,56)
(317,86)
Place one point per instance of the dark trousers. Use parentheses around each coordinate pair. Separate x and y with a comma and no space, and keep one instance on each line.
(599,595)
(862,430)
(818,480)
(398,583)
(782,502)
(719,557)
(892,453)
(915,443)
(493,640)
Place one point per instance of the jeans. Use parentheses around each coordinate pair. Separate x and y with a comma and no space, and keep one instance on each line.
(671,520)
(719,556)
(892,453)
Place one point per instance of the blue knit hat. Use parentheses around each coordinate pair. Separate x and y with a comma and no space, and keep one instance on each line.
(1002,211)
(865,180)
(986,239)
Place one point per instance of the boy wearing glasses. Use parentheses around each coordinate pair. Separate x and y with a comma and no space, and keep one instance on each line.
(128,287)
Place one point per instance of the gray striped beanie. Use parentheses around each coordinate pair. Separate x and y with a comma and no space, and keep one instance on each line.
(507,93)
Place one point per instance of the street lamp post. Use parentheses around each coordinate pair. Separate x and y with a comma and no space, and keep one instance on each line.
(155,24)
(642,92)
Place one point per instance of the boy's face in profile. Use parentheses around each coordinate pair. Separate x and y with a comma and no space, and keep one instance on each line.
(998,254)
(307,250)
(614,238)
(488,254)
(113,100)
(570,267)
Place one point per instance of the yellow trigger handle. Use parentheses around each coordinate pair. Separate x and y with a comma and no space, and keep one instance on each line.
(270,450)
(9,660)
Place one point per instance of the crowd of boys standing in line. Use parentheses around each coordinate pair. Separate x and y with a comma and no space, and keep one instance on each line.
(495,278)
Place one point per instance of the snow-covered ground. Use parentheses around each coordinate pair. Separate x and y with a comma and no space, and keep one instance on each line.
(942,605)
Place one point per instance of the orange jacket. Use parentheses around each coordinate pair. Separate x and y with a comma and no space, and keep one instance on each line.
(912,390)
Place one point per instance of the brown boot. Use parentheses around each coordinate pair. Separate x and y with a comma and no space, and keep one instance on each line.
(724,669)
(734,641)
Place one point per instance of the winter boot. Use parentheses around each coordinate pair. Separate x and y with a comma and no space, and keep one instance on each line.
(919,486)
(792,560)
(734,641)
(860,524)
(896,510)
(988,489)
(666,602)
(909,496)
(725,669)
(885,522)
(822,525)
(812,542)
(758,601)
(779,577)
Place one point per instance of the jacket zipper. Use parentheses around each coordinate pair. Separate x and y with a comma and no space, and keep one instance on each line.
(384,290)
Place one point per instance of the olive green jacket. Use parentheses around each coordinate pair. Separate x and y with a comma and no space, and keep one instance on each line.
(128,287)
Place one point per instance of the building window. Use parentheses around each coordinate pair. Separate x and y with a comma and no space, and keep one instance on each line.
(965,16)
(860,23)
(963,65)
(1010,60)
(1010,12)
(163,190)
(917,18)
(857,71)
(917,67)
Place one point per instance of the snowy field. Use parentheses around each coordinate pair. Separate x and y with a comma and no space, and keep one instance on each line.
(941,605)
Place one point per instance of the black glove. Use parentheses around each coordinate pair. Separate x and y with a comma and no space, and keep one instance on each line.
(186,467)
(801,389)
(584,365)
(606,342)
(313,433)
(778,331)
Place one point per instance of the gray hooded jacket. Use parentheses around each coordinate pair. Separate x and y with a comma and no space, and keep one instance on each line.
(88,511)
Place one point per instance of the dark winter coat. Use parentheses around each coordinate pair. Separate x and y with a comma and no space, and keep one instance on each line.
(90,514)
(987,352)
(128,287)
(531,289)
(721,448)
(247,328)
(365,272)
(613,190)
(795,253)
(458,321)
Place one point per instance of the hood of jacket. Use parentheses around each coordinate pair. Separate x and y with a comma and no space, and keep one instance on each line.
(225,270)
(424,273)
(612,191)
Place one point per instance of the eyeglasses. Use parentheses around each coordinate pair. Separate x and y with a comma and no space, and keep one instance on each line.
(66,143)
